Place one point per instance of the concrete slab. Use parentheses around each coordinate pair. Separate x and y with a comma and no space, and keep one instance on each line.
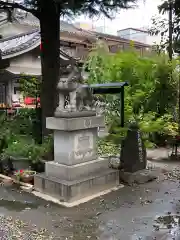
(72,124)
(77,202)
(139,177)
(70,191)
(74,172)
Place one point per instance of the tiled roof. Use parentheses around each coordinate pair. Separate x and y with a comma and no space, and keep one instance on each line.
(119,39)
(17,45)
(65,56)
(22,43)
(14,46)
(135,29)
(65,26)
(71,29)
(3,18)
(26,41)
(28,19)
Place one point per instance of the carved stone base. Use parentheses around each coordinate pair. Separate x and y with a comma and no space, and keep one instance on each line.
(68,114)
(70,191)
(76,171)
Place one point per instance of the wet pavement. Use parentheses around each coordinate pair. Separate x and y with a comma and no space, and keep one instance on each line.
(145,212)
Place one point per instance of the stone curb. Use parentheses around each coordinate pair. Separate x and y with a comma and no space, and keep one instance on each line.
(26,186)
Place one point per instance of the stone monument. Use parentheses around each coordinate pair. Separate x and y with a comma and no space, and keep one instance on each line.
(76,171)
(134,160)
(133,151)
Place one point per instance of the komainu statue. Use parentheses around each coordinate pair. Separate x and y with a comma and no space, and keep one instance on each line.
(74,100)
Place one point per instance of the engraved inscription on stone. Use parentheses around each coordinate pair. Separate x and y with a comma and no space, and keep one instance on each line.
(83,145)
(140,147)
(87,123)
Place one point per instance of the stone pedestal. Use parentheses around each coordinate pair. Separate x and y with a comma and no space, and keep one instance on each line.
(76,171)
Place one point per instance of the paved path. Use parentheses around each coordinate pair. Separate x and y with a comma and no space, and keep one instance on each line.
(160,158)
(127,214)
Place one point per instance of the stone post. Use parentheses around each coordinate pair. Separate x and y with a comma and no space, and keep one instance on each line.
(134,160)
(133,151)
(76,171)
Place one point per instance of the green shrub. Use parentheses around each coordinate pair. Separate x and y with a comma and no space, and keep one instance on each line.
(24,147)
(106,148)
(150,98)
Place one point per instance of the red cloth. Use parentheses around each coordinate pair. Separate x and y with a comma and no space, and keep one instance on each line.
(30,100)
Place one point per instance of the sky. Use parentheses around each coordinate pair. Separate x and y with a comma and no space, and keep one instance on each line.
(136,18)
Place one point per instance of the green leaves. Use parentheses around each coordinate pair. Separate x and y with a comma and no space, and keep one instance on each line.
(94,7)
(24,147)
(30,86)
(150,98)
(71,8)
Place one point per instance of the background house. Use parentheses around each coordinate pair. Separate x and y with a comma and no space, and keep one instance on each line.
(20,49)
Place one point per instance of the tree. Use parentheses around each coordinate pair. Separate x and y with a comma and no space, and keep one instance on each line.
(172,43)
(150,98)
(171,25)
(49,12)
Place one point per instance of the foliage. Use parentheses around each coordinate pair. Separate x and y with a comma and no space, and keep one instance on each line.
(20,124)
(71,8)
(25,148)
(17,137)
(150,98)
(24,173)
(48,12)
(30,86)
(107,148)
(160,26)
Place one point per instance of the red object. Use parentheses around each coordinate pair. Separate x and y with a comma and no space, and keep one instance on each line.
(16,104)
(21,171)
(31,101)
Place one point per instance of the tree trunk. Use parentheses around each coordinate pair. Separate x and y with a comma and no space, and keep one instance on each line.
(50,61)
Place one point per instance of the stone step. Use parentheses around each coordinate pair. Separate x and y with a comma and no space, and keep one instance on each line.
(74,172)
(70,191)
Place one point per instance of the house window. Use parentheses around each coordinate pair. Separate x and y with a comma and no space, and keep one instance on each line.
(17,90)
(113,48)
(64,43)
(2,93)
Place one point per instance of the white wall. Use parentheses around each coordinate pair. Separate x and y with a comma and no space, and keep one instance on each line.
(12,95)
(139,36)
(124,33)
(27,64)
(134,35)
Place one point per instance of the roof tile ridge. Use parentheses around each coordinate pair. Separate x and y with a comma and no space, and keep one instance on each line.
(20,35)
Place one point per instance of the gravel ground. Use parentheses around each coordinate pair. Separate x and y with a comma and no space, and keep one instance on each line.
(130,213)
(11,229)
